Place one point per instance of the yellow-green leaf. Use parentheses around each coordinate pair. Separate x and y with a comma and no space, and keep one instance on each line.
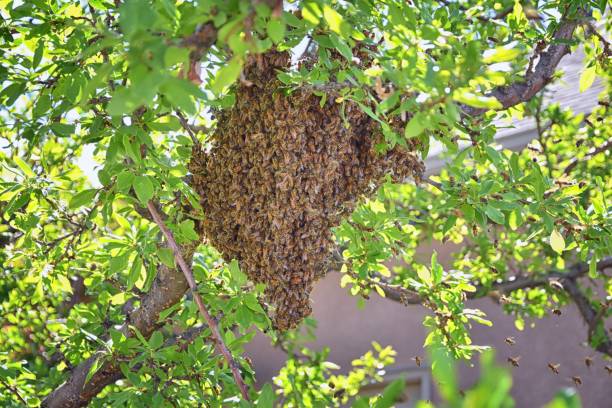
(500,54)
(424,274)
(557,242)
(25,167)
(333,19)
(227,75)
(587,78)
(478,101)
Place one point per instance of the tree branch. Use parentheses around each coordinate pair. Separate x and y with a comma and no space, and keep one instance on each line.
(212,324)
(566,281)
(591,317)
(594,151)
(14,391)
(167,289)
(535,80)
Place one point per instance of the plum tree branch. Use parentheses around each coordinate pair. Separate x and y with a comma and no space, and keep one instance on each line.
(537,78)
(594,151)
(167,289)
(212,324)
(566,280)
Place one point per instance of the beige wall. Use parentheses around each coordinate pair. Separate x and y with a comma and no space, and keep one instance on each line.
(349,331)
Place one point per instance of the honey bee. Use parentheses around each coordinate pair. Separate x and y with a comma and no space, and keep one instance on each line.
(577,380)
(556,312)
(283,171)
(609,369)
(417,360)
(588,361)
(514,360)
(554,367)
(510,341)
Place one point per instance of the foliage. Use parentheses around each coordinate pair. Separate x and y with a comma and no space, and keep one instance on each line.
(90,295)
(491,390)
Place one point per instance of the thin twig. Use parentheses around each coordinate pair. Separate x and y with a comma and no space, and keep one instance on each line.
(13,390)
(185,124)
(596,150)
(210,321)
(433,183)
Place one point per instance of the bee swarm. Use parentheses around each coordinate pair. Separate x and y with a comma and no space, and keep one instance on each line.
(281,173)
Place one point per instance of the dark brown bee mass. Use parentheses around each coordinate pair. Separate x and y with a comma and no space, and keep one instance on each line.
(281,173)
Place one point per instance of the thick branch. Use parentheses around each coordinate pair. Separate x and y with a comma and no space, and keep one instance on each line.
(591,317)
(537,78)
(167,289)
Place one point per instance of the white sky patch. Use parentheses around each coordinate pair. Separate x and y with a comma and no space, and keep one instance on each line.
(88,164)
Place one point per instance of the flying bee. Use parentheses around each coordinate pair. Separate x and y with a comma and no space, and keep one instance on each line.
(609,370)
(510,341)
(556,312)
(588,361)
(577,380)
(514,360)
(554,367)
(417,360)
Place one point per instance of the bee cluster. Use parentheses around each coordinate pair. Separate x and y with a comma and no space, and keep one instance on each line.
(282,171)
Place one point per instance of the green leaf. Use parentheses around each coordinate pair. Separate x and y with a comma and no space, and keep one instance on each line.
(312,13)
(62,129)
(391,393)
(25,167)
(494,214)
(180,93)
(117,263)
(478,101)
(587,77)
(176,55)
(95,366)
(593,268)
(187,229)
(124,181)
(557,242)
(266,397)
(38,53)
(436,269)
(143,186)
(156,340)
(566,398)
(237,275)
(276,30)
(227,75)
(12,92)
(134,274)
(82,198)
(515,219)
(335,21)
(166,256)
(342,47)
(424,274)
(135,16)
(415,126)
(501,54)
